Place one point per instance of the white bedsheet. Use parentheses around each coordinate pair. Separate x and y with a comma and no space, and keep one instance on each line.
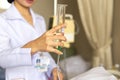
(97,73)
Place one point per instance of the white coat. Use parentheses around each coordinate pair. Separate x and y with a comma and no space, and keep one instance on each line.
(14,33)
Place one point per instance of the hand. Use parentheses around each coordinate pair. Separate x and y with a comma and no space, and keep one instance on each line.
(57,74)
(47,42)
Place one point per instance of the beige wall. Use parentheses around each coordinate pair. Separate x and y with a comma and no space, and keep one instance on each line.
(44,8)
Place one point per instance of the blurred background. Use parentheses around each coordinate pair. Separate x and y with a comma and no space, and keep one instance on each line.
(86,51)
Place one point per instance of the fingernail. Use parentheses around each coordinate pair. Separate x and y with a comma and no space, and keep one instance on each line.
(61,53)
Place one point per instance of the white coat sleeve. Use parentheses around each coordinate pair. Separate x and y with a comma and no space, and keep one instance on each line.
(12,57)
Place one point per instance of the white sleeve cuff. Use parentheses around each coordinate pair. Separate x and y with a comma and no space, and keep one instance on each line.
(24,57)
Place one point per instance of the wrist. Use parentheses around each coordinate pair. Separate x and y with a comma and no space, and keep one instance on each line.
(32,46)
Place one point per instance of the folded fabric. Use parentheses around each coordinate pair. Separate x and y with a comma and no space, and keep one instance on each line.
(97,73)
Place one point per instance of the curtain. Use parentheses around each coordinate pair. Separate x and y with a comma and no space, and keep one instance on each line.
(96,16)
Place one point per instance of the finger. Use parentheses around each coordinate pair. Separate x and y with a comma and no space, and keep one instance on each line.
(51,49)
(55,44)
(61,76)
(56,38)
(56,28)
(54,75)
(60,34)
(59,37)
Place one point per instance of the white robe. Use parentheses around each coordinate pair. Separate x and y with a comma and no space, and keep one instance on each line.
(14,33)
